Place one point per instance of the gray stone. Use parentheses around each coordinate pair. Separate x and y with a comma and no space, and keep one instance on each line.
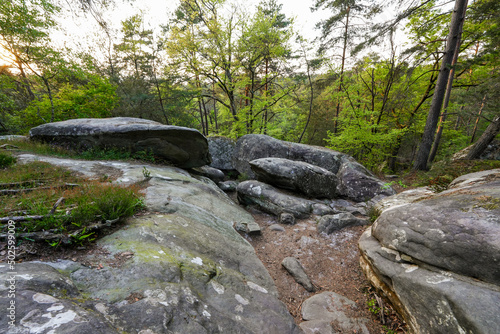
(228,186)
(329,306)
(331,223)
(492,152)
(277,227)
(272,200)
(311,180)
(253,146)
(356,183)
(213,174)
(222,150)
(191,271)
(317,327)
(436,256)
(322,209)
(181,146)
(13,137)
(287,218)
(293,266)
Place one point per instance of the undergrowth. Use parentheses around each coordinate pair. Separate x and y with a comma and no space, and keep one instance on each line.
(93,153)
(31,191)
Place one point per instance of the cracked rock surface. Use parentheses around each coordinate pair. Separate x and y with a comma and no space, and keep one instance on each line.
(437,256)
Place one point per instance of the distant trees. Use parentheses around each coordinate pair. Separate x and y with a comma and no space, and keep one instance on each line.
(224,71)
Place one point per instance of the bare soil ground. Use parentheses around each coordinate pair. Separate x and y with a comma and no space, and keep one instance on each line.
(331,262)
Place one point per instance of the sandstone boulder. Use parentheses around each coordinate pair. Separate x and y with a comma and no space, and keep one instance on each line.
(311,180)
(251,147)
(181,146)
(353,180)
(221,150)
(437,256)
(180,269)
(358,184)
(272,200)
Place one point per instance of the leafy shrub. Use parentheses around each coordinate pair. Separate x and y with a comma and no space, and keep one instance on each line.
(6,160)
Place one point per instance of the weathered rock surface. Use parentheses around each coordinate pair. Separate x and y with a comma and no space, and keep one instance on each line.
(327,311)
(331,223)
(354,180)
(222,150)
(251,147)
(437,256)
(311,180)
(183,147)
(356,183)
(188,270)
(272,200)
(213,174)
(293,266)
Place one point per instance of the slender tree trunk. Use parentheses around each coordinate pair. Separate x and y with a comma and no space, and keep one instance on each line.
(311,97)
(341,79)
(440,89)
(482,143)
(477,120)
(449,86)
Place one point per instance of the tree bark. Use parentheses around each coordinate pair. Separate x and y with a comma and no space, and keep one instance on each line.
(456,24)
(449,86)
(482,143)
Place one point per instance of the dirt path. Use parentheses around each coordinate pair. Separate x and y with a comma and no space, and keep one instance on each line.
(331,262)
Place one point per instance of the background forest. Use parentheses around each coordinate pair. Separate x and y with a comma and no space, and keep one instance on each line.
(229,71)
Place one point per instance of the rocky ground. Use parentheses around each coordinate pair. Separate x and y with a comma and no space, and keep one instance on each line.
(330,261)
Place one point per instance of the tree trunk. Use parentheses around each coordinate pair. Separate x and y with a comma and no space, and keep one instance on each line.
(477,120)
(341,80)
(449,86)
(456,24)
(482,143)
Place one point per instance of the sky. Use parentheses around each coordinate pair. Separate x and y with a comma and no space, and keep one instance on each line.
(79,29)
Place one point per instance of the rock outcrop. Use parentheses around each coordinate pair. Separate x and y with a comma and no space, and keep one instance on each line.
(180,269)
(183,147)
(437,256)
(353,180)
(311,180)
(222,151)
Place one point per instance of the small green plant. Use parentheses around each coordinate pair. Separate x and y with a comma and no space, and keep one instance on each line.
(389,184)
(243,177)
(373,213)
(146,173)
(6,160)
(82,237)
(373,306)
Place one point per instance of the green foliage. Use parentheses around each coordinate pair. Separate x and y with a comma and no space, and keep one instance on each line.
(85,202)
(6,160)
(96,99)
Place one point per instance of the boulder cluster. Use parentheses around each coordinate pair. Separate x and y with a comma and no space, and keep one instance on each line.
(289,178)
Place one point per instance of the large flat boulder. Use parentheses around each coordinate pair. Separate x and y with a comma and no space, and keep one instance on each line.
(437,256)
(180,269)
(311,180)
(183,147)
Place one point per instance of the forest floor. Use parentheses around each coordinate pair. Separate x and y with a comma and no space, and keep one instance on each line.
(330,261)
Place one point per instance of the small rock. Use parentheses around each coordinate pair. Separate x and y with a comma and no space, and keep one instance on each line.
(276,227)
(317,327)
(329,307)
(322,209)
(331,223)
(287,218)
(293,266)
(228,186)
